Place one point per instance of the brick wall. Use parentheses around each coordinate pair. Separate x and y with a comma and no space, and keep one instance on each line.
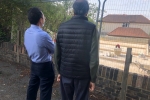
(109,82)
(8,52)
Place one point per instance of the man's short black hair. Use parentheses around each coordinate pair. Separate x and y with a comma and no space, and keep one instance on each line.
(34,15)
(81,7)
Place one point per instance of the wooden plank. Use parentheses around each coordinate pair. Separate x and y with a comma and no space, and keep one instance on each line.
(125,74)
(129,45)
(18,43)
(133,53)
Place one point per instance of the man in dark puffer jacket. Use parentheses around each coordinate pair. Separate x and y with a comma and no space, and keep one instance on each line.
(76,55)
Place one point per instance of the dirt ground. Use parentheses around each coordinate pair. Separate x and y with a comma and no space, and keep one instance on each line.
(14,80)
(139,65)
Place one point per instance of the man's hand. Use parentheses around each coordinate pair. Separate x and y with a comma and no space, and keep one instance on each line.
(92,87)
(58,78)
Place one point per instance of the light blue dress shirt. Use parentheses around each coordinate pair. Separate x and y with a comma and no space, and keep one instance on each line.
(38,44)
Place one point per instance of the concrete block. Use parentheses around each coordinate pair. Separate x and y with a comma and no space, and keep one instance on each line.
(142,95)
(116,74)
(134,80)
(111,73)
(100,70)
(120,75)
(108,72)
(139,81)
(104,71)
(130,77)
(134,89)
(145,82)
(148,86)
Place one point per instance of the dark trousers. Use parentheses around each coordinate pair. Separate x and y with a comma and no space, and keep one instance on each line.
(74,88)
(42,75)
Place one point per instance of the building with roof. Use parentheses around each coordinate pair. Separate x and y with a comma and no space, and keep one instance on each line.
(111,22)
(129,32)
(126,37)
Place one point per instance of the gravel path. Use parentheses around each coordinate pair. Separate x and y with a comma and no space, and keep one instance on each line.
(14,81)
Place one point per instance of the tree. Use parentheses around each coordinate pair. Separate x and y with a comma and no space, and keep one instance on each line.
(15,19)
(13,14)
(93,12)
(11,11)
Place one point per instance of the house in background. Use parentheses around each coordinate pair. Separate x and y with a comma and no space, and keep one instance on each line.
(111,22)
(129,32)
(134,38)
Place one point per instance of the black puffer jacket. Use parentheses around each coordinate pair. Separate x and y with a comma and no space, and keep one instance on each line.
(75,38)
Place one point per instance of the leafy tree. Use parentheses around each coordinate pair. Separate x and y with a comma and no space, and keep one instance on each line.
(13,16)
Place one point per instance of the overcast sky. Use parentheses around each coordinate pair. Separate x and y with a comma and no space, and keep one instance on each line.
(138,7)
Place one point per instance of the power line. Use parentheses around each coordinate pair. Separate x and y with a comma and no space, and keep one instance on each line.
(44,1)
(128,10)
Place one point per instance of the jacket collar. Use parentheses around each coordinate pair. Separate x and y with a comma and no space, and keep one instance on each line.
(80,17)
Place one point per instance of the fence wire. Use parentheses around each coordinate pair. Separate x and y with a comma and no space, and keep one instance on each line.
(126,24)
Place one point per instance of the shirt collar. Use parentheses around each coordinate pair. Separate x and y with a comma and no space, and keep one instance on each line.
(80,17)
(35,26)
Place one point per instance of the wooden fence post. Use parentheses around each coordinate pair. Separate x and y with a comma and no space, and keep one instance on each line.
(125,74)
(18,43)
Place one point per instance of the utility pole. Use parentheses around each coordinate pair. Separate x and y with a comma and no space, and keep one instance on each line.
(98,13)
(100,28)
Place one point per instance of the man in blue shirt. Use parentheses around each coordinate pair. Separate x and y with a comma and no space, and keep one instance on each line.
(39,46)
